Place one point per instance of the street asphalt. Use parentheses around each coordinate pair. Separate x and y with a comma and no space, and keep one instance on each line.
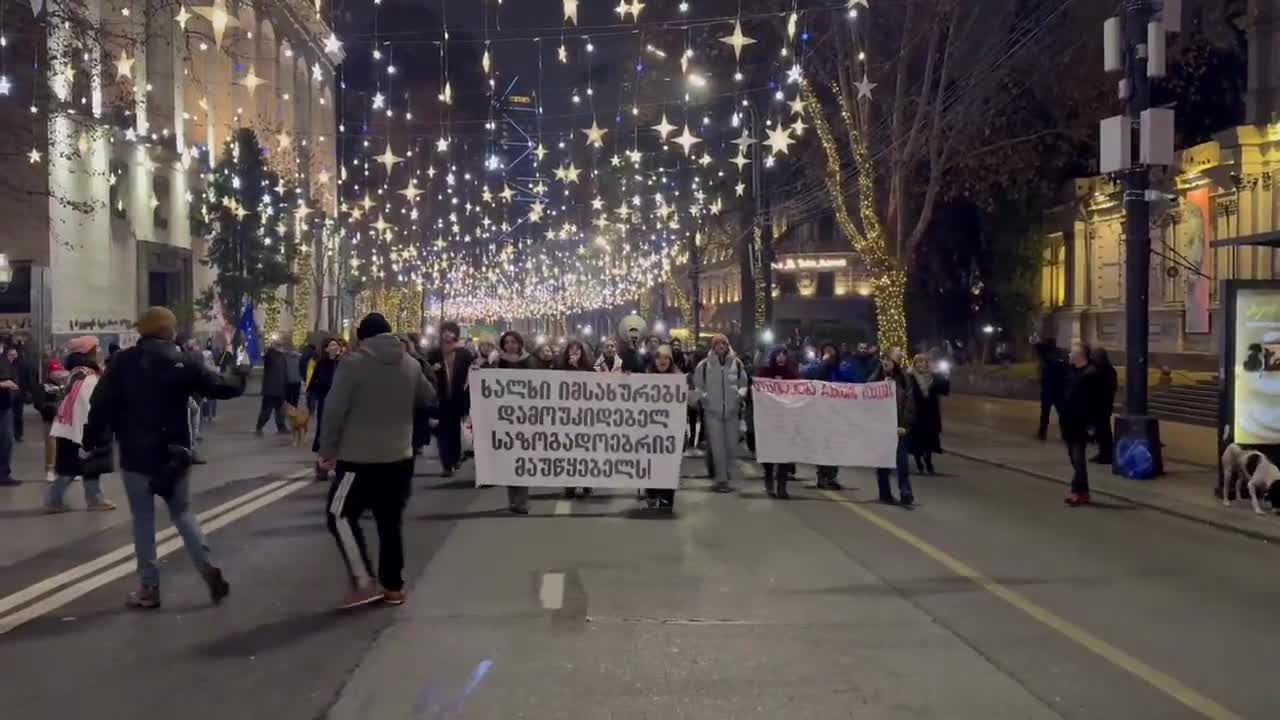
(987,600)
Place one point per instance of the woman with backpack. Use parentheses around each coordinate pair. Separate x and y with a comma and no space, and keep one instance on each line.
(68,433)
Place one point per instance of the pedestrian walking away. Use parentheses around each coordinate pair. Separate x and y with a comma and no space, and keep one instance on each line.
(367,441)
(927,387)
(143,402)
(721,383)
(1108,384)
(68,433)
(1053,381)
(776,475)
(1079,411)
(275,377)
(451,363)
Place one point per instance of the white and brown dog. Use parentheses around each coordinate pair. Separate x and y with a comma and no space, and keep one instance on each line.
(1249,468)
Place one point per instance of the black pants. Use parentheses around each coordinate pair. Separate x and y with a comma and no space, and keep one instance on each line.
(694,414)
(827,475)
(271,404)
(18,411)
(384,489)
(449,435)
(292,392)
(1106,440)
(319,413)
(1078,452)
(1047,401)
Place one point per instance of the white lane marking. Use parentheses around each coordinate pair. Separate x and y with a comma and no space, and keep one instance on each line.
(564,507)
(84,587)
(24,596)
(551,593)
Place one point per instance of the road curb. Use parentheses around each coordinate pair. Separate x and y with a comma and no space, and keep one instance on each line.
(1174,511)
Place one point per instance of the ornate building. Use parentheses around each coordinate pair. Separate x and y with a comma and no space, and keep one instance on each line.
(131,102)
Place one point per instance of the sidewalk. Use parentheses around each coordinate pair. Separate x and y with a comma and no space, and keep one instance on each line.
(233,455)
(1185,490)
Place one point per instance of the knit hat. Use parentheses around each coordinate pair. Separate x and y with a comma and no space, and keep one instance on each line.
(83,345)
(158,322)
(372,324)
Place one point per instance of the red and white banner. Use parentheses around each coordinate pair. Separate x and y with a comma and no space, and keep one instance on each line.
(840,424)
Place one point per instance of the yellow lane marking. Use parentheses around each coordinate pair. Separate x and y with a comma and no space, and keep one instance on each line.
(1161,681)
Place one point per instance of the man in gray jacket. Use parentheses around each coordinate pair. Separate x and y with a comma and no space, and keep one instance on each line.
(367,437)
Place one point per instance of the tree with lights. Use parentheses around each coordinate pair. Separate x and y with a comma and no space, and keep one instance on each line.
(252,220)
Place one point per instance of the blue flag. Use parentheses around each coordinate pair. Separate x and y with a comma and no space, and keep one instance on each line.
(250,334)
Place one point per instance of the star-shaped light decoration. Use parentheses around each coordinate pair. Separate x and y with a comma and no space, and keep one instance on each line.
(388,158)
(539,188)
(705,160)
(251,81)
(744,141)
(238,211)
(300,213)
(182,17)
(324,177)
(379,100)
(540,152)
(798,127)
(865,86)
(571,11)
(381,226)
(622,9)
(536,210)
(664,127)
(6,85)
(794,74)
(366,203)
(779,140)
(34,156)
(615,161)
(715,207)
(571,172)
(411,192)
(284,140)
(442,145)
(737,40)
(333,46)
(507,193)
(595,134)
(740,189)
(220,18)
(635,8)
(686,139)
(486,196)
(562,53)
(796,105)
(124,65)
(741,159)
(851,4)
(596,203)
(634,156)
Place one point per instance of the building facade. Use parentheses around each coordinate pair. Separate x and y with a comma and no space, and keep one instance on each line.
(131,108)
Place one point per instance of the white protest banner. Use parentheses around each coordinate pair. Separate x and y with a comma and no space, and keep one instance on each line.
(840,424)
(560,428)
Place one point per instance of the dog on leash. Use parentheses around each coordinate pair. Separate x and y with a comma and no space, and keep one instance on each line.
(299,422)
(1243,468)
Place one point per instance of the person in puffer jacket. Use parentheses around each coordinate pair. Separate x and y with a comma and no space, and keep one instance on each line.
(721,382)
(68,431)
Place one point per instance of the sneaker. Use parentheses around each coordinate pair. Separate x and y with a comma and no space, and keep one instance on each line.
(393,597)
(219,588)
(1077,500)
(101,506)
(361,596)
(518,509)
(145,598)
(907,500)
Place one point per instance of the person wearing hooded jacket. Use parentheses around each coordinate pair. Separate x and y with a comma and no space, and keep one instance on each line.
(776,475)
(367,441)
(721,382)
(142,400)
(891,369)
(511,356)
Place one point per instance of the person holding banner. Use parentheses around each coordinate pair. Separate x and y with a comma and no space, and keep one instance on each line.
(663,364)
(609,360)
(577,358)
(513,357)
(776,475)
(891,369)
(721,383)
(828,369)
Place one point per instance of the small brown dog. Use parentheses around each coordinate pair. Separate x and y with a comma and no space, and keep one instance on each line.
(299,422)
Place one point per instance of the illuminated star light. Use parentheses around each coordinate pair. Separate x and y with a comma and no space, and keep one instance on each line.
(571,11)
(744,141)
(664,128)
(595,135)
(411,192)
(737,40)
(686,139)
(251,81)
(388,158)
(740,189)
(794,74)
(779,140)
(540,152)
(796,105)
(124,65)
(333,45)
(442,145)
(182,17)
(34,156)
(562,53)
(741,160)
(865,86)
(851,4)
(507,193)
(536,210)
(220,18)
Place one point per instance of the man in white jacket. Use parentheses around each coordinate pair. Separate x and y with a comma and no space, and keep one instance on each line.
(721,382)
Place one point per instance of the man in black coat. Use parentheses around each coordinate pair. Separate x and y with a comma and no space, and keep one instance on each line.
(143,399)
(275,377)
(451,363)
(1077,413)
(1053,381)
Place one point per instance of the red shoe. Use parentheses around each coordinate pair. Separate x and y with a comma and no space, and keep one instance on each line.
(360,597)
(1077,500)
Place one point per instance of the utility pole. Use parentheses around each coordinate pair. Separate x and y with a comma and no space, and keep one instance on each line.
(1131,144)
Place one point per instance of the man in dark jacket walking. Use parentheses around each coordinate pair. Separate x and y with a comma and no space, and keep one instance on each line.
(143,400)
(367,438)
(451,363)
(1078,411)
(275,377)
(1053,382)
